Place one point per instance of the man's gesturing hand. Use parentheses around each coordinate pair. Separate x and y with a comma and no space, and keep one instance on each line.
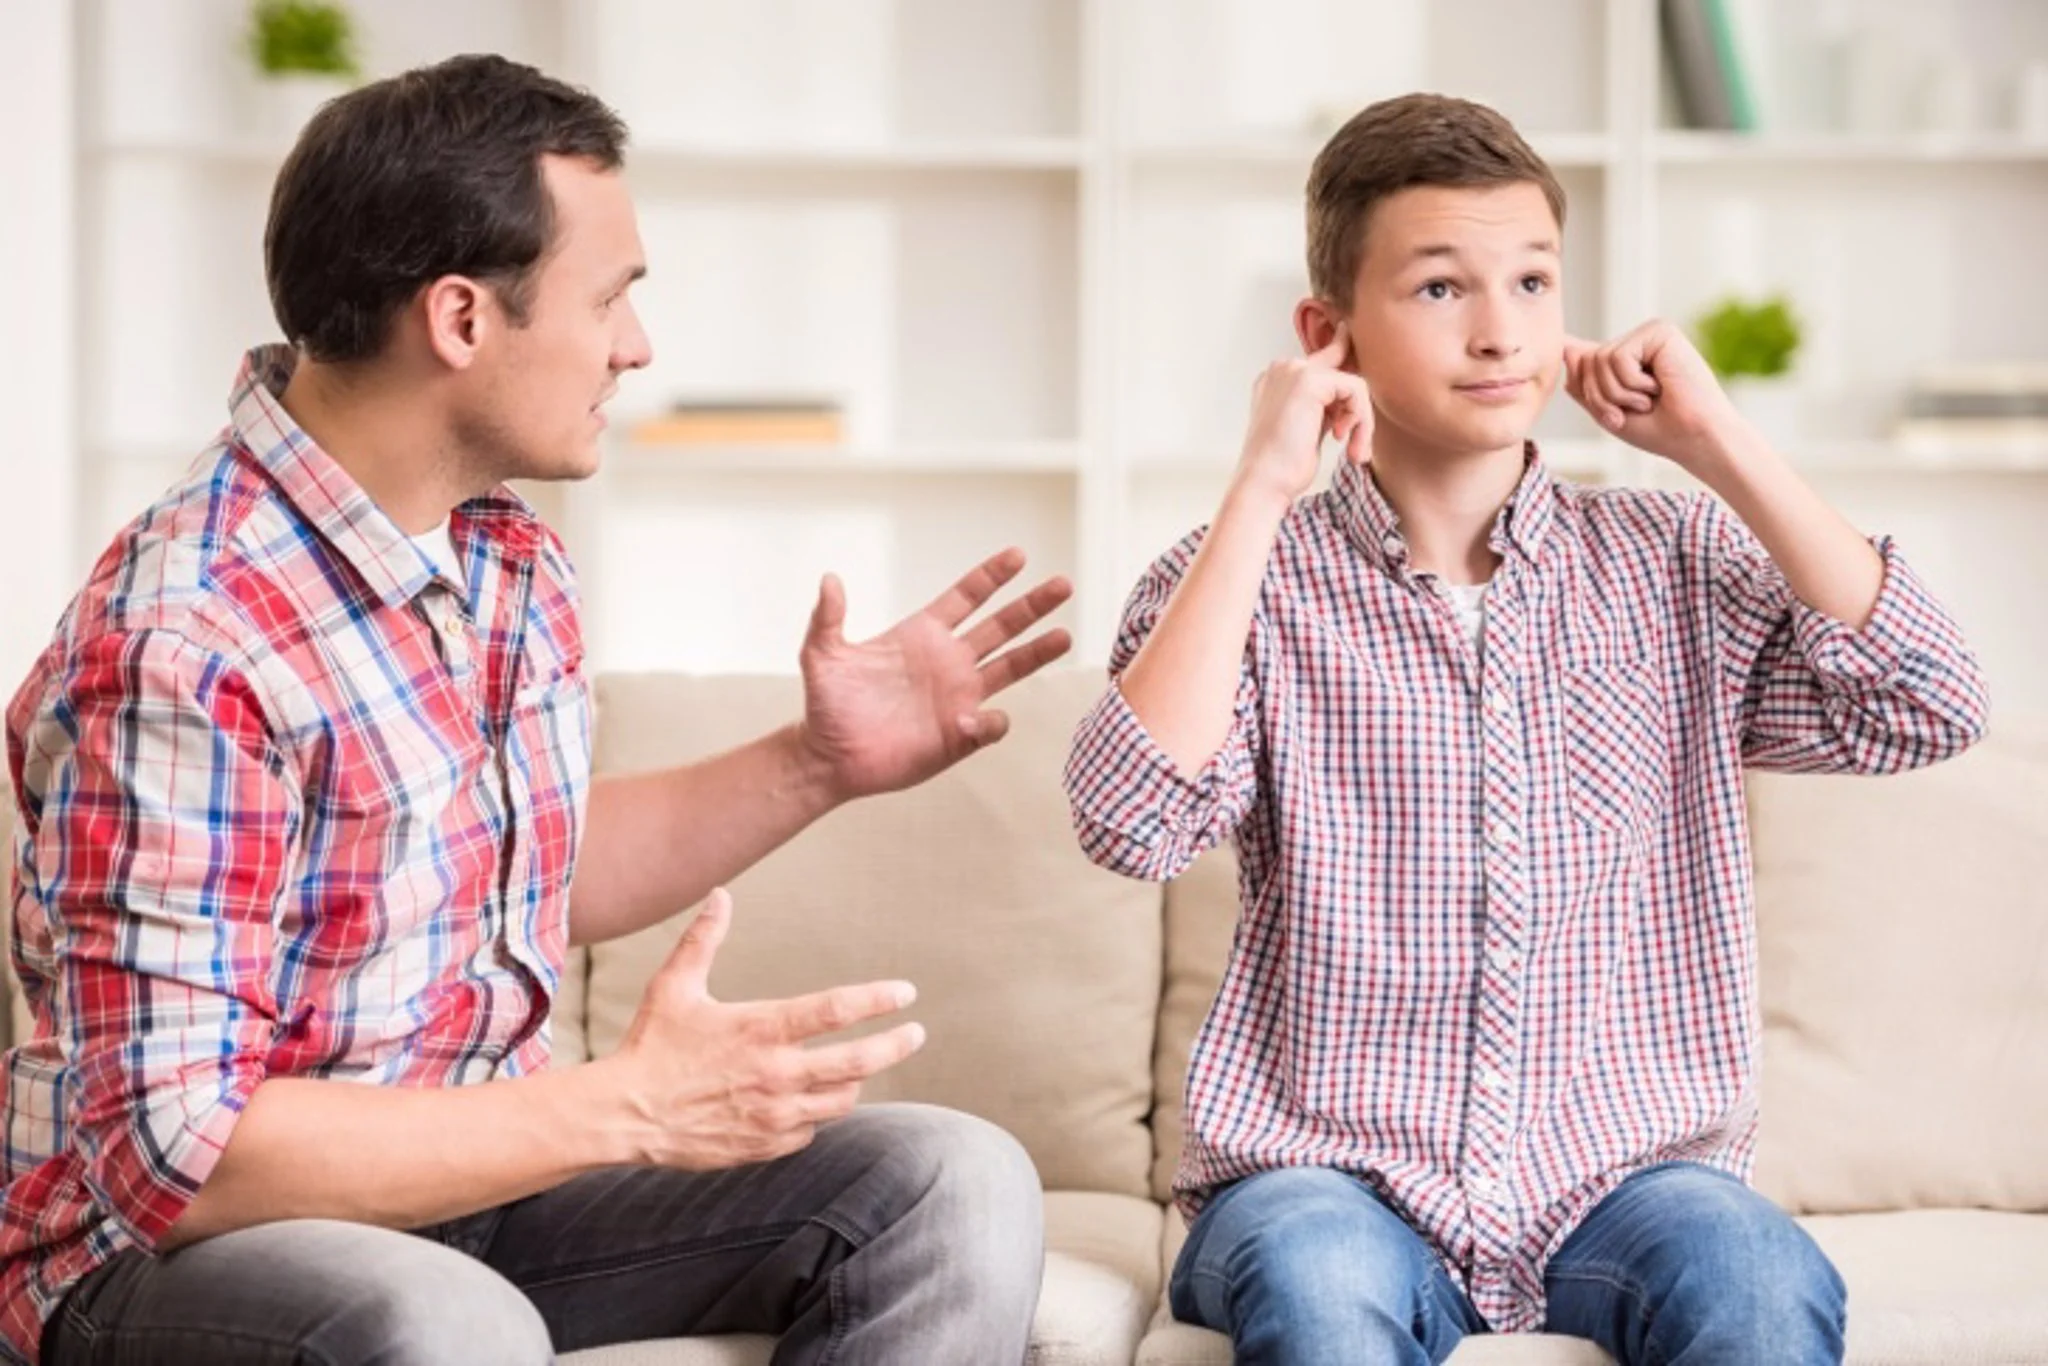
(1295,404)
(708,1085)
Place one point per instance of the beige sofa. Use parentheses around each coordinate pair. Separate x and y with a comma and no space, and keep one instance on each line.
(1905,972)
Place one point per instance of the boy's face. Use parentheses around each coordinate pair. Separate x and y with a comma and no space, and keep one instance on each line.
(1457,315)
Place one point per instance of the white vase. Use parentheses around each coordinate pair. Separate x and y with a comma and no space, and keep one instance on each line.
(1771,405)
(283,103)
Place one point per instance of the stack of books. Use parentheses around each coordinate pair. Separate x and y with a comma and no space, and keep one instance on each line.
(745,422)
(1979,412)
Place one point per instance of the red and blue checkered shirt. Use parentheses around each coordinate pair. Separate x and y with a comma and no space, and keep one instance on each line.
(1497,946)
(291,803)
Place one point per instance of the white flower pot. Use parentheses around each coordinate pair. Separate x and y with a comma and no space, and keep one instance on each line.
(284,103)
(1769,405)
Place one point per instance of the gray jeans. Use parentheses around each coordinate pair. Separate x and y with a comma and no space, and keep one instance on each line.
(903,1234)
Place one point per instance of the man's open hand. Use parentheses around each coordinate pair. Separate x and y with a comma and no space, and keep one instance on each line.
(888,713)
(708,1085)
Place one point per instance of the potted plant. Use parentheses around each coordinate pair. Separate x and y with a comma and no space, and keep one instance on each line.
(305,55)
(1751,346)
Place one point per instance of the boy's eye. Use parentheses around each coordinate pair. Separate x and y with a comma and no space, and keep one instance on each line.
(1535,284)
(1436,289)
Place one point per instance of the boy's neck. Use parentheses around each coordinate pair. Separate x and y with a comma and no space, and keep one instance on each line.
(1448,505)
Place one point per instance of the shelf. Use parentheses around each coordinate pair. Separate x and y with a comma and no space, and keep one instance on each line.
(949,458)
(1879,455)
(1564,151)
(1705,148)
(1000,154)
(994,154)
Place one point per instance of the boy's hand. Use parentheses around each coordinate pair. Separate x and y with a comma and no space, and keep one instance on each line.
(1296,403)
(1652,389)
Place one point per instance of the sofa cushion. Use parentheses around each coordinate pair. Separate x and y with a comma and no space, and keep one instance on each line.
(1941,1287)
(15,1024)
(1101,1281)
(1903,950)
(1201,920)
(1038,974)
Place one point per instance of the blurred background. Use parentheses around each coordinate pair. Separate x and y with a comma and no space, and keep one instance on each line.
(934,276)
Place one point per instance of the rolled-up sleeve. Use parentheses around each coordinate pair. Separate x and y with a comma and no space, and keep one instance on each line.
(1813,694)
(1135,812)
(165,835)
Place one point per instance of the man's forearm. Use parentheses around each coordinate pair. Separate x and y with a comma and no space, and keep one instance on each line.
(657,842)
(401,1157)
(1828,563)
(1183,682)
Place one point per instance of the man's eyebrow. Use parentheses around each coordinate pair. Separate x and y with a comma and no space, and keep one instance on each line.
(627,277)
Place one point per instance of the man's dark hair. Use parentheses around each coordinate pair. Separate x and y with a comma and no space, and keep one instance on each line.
(434,172)
(1397,144)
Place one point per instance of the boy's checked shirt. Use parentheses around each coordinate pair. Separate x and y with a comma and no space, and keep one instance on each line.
(1496,947)
(291,804)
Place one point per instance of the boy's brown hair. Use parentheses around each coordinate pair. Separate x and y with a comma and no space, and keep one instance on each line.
(1393,146)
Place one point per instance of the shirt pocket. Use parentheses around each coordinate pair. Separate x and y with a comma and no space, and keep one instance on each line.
(1617,756)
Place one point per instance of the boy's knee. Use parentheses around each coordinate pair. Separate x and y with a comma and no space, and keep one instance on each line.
(1317,1242)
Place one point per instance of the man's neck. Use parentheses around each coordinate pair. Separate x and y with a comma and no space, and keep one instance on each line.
(388,442)
(1447,504)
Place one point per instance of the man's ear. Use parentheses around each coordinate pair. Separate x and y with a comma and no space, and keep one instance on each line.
(1316,325)
(456,310)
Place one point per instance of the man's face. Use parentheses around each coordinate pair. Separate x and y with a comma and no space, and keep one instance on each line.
(1457,315)
(538,410)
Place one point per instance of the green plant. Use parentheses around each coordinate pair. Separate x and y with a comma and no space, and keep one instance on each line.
(291,36)
(1742,338)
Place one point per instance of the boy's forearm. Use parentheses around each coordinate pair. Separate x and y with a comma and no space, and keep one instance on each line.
(402,1157)
(1829,564)
(1182,685)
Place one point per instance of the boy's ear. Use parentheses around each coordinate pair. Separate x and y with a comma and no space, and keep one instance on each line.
(1316,325)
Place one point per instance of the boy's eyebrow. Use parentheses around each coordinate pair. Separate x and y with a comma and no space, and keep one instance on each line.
(1431,250)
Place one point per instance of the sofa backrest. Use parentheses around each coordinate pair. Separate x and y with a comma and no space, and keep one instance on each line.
(1038,973)
(1903,954)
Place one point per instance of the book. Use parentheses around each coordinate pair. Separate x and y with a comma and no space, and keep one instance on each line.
(1714,46)
(744,422)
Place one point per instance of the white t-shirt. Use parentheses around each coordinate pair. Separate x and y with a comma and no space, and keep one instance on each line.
(438,546)
(1468,603)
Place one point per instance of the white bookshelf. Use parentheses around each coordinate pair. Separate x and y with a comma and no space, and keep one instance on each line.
(1039,249)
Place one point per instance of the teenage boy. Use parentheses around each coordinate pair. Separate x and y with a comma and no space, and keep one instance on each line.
(1484,1056)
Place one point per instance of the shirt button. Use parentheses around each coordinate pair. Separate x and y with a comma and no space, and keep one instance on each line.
(1497,702)
(1501,833)
(1391,544)
(1491,1079)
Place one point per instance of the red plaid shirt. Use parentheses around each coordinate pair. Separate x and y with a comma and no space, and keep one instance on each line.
(289,803)
(1497,947)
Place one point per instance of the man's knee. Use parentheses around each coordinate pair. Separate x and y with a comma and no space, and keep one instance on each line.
(481,1317)
(423,1303)
(969,1179)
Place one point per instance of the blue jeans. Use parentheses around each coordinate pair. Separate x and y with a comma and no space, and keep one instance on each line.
(1681,1265)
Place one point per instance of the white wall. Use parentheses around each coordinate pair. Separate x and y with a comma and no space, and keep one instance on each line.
(38,565)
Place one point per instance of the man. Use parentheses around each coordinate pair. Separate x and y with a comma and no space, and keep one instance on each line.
(307,828)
